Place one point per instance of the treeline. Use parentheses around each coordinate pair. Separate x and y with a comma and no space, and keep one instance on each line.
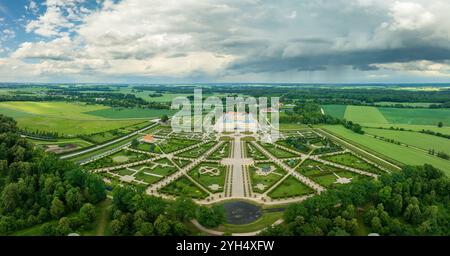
(110,99)
(43,135)
(134,213)
(36,187)
(414,201)
(307,113)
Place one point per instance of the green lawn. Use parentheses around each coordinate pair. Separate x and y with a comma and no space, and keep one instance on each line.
(398,153)
(251,151)
(290,187)
(197,151)
(325,175)
(222,152)
(277,152)
(351,160)
(416,139)
(209,179)
(183,186)
(266,181)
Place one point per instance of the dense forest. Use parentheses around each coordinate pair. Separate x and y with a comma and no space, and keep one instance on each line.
(415,201)
(134,213)
(36,187)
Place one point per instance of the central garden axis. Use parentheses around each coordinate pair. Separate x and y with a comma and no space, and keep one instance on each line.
(215,166)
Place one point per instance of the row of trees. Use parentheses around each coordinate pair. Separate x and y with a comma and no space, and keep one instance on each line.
(36,187)
(415,201)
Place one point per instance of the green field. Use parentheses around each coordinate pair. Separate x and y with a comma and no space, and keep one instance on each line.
(363,114)
(423,118)
(64,118)
(434,128)
(416,116)
(337,111)
(416,139)
(128,113)
(402,154)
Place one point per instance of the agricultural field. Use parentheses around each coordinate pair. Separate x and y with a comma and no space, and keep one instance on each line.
(337,111)
(424,118)
(64,118)
(387,150)
(363,114)
(415,139)
(130,113)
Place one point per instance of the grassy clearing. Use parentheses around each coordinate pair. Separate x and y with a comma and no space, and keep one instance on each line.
(290,187)
(364,114)
(420,140)
(388,150)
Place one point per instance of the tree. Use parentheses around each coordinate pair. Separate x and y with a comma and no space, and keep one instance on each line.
(162,226)
(211,217)
(64,226)
(88,213)
(74,199)
(116,227)
(164,118)
(134,143)
(57,208)
(440,124)
(183,209)
(10,197)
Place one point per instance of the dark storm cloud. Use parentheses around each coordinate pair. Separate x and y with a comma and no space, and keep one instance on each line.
(360,60)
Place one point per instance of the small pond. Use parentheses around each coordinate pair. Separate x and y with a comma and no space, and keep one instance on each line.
(239,213)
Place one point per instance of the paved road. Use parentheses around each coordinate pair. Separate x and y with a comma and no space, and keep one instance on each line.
(108,143)
(237,188)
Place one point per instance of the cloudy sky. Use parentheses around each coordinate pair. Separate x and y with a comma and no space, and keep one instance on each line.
(335,41)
